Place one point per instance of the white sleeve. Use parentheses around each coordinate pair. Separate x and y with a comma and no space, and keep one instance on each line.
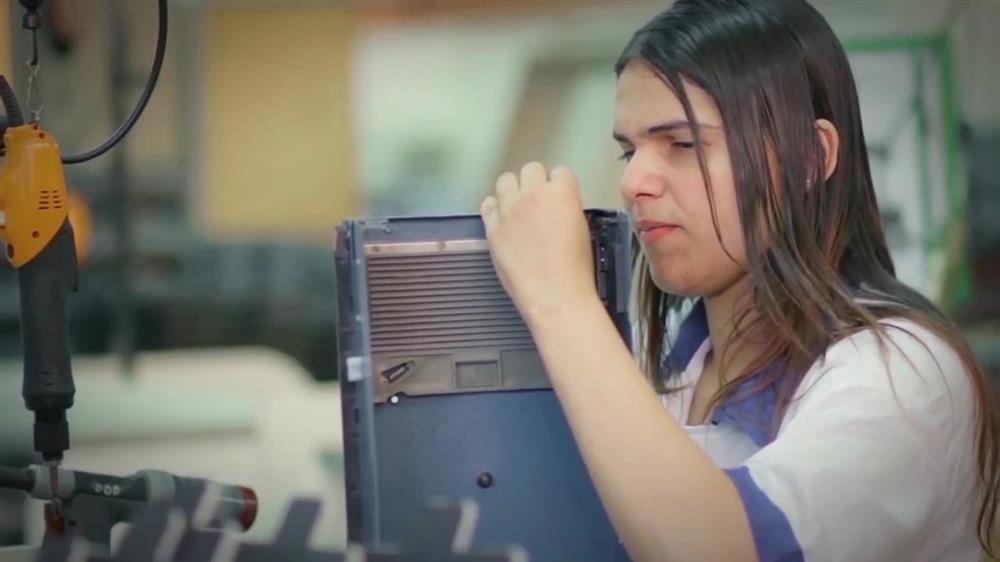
(871,457)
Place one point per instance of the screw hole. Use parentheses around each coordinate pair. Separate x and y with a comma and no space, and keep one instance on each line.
(484,480)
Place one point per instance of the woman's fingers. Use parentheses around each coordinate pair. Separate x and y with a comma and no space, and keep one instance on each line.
(509,187)
(490,212)
(567,179)
(507,190)
(563,174)
(533,175)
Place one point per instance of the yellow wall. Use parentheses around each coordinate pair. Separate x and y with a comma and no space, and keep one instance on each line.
(5,32)
(277,147)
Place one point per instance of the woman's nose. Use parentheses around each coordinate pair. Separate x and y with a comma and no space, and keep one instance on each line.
(641,180)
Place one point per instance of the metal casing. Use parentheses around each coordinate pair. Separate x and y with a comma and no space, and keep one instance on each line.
(444,393)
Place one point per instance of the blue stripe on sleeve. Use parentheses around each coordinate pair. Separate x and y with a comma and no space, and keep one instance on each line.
(772,533)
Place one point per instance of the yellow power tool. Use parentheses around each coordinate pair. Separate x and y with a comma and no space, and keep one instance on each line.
(35,228)
(39,243)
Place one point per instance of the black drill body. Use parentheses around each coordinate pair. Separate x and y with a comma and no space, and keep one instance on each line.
(48,390)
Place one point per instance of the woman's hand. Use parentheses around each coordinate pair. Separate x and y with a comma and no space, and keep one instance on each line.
(540,241)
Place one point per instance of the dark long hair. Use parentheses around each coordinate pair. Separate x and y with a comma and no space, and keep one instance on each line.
(814,245)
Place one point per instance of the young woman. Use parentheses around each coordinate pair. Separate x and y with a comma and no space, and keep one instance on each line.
(810,406)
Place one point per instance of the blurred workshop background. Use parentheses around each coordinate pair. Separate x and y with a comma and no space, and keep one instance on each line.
(203,330)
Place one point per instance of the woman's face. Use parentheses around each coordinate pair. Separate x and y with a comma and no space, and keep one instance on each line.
(664,191)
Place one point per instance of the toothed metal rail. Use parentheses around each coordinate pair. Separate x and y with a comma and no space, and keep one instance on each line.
(178,532)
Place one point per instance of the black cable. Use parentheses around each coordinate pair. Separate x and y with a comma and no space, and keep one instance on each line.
(14,116)
(154,74)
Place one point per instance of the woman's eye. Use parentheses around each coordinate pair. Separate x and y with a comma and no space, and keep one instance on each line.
(683,145)
(626,155)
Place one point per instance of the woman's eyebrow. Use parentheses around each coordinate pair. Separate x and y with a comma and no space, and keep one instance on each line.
(663,128)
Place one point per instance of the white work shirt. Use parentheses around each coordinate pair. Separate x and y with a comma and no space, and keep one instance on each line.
(869,464)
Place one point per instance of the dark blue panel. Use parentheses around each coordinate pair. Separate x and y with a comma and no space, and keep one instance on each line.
(541,496)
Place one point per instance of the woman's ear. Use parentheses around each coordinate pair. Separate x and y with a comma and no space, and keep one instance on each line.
(830,141)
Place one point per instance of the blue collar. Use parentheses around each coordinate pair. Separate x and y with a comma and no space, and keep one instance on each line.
(692,333)
(752,413)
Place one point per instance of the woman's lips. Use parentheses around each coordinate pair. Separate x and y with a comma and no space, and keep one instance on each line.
(652,231)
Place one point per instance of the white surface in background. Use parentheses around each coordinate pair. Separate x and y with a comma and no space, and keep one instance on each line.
(454,86)
(294,421)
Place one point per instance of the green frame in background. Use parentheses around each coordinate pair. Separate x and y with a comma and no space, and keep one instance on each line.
(957,285)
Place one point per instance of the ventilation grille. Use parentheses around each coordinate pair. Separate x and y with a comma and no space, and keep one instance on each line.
(49,200)
(440,302)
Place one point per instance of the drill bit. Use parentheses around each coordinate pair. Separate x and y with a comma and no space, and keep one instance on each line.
(55,513)
(54,487)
